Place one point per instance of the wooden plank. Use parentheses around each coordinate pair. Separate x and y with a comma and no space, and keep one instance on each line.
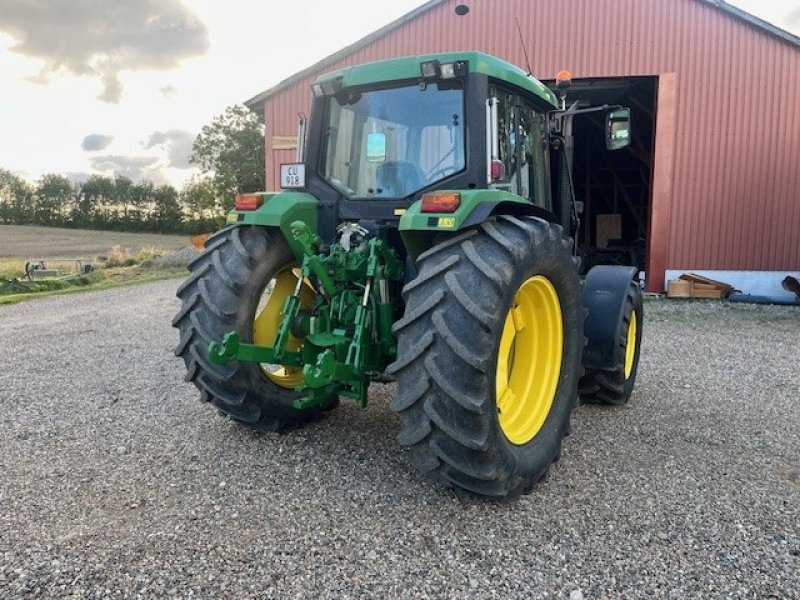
(707,294)
(699,279)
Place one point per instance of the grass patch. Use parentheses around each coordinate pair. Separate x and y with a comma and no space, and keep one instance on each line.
(10,292)
(118,267)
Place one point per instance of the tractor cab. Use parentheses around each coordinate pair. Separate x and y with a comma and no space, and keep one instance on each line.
(386,135)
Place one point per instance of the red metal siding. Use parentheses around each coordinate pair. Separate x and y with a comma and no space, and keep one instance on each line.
(734,202)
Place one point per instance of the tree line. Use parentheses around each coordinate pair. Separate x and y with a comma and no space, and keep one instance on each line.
(115,203)
(229,152)
(110,203)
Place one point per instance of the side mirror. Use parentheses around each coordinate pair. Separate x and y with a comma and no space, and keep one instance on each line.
(376,147)
(618,128)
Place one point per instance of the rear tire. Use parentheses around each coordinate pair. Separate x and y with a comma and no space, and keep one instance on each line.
(615,387)
(220,295)
(449,365)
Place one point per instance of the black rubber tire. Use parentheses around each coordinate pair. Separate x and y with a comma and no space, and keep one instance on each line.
(612,387)
(220,295)
(448,342)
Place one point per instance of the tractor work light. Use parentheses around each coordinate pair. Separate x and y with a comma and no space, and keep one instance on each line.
(430,69)
(248,201)
(330,87)
(448,70)
(440,202)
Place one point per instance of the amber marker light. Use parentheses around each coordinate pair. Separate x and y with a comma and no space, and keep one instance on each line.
(440,202)
(248,201)
(563,79)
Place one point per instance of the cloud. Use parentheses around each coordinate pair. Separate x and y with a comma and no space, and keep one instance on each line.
(77,176)
(176,142)
(101,38)
(133,167)
(168,91)
(96,141)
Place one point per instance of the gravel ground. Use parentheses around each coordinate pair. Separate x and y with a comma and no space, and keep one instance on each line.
(115,481)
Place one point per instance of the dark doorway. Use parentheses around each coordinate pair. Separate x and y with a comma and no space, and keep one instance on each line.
(615,187)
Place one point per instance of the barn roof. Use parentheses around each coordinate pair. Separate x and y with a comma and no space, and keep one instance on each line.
(255,103)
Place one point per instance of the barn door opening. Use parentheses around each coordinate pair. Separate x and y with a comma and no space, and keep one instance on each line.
(615,187)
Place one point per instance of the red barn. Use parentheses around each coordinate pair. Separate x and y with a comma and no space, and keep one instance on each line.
(711,182)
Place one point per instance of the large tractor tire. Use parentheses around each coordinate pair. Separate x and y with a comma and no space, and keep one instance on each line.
(616,387)
(489,356)
(239,284)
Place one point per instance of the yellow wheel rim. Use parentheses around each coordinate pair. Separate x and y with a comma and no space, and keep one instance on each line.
(529,360)
(268,318)
(630,348)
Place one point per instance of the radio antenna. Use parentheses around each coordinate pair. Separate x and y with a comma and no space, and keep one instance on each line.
(524,49)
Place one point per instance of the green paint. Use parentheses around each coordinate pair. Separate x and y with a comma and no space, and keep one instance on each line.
(281,209)
(418,228)
(406,68)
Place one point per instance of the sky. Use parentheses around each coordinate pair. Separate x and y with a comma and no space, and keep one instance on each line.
(123,87)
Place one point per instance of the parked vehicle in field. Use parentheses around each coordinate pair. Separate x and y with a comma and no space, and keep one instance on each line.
(425,234)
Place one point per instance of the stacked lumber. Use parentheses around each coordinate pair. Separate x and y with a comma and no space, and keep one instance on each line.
(691,285)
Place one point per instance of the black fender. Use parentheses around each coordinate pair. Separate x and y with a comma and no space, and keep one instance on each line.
(604,294)
(485,210)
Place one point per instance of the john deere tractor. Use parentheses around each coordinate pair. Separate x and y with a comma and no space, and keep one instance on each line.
(424,235)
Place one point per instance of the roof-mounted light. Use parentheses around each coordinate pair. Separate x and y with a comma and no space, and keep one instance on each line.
(563,80)
(430,69)
(329,87)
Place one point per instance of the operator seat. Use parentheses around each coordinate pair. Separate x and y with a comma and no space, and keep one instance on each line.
(398,178)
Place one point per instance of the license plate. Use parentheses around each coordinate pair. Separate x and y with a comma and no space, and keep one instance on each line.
(293,175)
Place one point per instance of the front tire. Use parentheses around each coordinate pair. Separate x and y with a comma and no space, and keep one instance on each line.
(489,355)
(615,387)
(222,294)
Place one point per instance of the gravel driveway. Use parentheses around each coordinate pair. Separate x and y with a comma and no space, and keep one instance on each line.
(116,481)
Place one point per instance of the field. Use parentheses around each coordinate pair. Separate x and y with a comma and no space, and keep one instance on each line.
(25,242)
(118,259)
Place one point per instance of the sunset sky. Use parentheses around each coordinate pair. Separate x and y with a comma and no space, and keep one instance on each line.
(97,86)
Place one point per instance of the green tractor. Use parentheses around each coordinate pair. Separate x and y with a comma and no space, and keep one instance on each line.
(424,235)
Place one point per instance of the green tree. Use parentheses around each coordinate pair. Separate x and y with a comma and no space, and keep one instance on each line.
(123,193)
(93,196)
(53,198)
(204,209)
(167,215)
(231,150)
(17,204)
(142,204)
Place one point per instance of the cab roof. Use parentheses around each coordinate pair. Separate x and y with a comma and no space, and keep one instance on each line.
(408,67)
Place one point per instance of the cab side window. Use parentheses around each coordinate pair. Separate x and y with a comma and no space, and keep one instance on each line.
(506,117)
(521,132)
(532,129)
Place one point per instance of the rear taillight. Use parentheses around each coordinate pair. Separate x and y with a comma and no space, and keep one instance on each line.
(440,202)
(497,170)
(248,201)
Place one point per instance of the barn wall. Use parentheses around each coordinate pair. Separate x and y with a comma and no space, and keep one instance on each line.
(734,200)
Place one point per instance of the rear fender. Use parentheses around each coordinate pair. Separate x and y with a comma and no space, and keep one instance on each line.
(280,210)
(604,295)
(421,230)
